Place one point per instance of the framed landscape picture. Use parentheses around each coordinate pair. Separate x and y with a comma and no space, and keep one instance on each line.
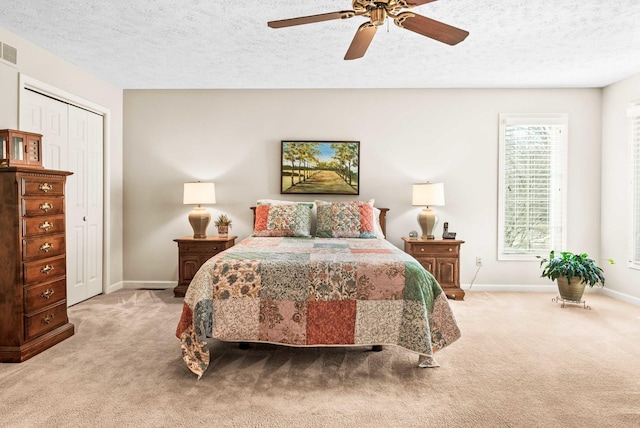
(320,167)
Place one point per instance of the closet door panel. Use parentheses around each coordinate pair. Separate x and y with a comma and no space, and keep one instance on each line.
(48,117)
(73,140)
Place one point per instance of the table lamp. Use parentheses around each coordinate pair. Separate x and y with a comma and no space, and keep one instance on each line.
(428,194)
(198,194)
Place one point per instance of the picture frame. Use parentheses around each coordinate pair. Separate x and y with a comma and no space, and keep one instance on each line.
(320,167)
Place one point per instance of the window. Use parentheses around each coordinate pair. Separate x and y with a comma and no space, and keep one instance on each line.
(532,185)
(634,139)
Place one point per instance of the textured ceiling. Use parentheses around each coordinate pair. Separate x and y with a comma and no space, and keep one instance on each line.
(210,44)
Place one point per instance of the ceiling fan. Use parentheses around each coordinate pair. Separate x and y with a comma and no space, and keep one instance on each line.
(378,11)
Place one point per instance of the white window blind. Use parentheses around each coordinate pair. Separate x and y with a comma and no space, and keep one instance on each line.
(634,139)
(532,183)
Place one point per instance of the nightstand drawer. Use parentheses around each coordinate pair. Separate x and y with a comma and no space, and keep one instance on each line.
(437,250)
(206,247)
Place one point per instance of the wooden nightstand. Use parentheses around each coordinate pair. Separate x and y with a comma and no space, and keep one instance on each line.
(441,257)
(192,253)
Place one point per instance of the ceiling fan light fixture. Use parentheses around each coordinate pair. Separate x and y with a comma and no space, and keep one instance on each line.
(378,16)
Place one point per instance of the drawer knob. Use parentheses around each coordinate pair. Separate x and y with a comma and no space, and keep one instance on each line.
(45,187)
(48,318)
(46,207)
(46,247)
(450,249)
(46,226)
(422,249)
(47,293)
(46,269)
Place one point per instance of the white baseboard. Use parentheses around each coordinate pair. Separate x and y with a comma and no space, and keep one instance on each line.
(528,288)
(149,285)
(552,288)
(114,287)
(619,296)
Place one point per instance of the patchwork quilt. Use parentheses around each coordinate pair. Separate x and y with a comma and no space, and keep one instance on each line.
(315,292)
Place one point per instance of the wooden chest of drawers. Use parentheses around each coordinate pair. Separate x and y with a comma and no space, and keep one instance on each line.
(33,286)
(192,253)
(441,257)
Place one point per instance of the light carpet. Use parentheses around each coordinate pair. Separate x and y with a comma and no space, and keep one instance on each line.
(522,361)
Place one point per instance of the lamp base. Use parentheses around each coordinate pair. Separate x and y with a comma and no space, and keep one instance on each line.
(199,219)
(428,220)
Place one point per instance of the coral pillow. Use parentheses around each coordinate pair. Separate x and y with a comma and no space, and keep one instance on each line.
(283,220)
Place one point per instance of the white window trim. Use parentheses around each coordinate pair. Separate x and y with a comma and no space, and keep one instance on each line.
(632,111)
(531,119)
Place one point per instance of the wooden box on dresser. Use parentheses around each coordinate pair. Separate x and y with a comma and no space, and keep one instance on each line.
(441,257)
(33,285)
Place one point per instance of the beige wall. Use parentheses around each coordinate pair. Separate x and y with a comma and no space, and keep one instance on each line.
(233,138)
(407,136)
(615,229)
(45,67)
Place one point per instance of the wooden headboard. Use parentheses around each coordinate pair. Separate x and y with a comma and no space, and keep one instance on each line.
(382,217)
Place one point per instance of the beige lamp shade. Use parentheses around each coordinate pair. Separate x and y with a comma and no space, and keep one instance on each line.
(198,194)
(426,194)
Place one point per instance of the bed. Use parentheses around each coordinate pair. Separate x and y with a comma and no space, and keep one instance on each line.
(315,275)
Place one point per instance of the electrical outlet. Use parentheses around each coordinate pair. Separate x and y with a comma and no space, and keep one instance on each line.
(478,261)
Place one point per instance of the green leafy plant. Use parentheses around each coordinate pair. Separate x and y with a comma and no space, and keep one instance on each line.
(572,265)
(223,220)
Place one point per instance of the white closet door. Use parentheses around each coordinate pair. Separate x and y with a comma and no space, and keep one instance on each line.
(84,206)
(48,117)
(73,141)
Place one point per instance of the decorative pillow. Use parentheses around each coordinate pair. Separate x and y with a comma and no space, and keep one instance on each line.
(377,228)
(283,220)
(352,219)
(281,202)
(275,202)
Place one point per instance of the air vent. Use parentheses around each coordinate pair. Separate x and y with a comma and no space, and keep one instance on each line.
(8,53)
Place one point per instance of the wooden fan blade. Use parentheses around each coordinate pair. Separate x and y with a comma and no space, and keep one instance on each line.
(414,3)
(431,28)
(361,41)
(344,14)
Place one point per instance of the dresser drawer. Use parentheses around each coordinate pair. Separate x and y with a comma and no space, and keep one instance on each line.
(44,270)
(41,185)
(42,206)
(45,320)
(39,296)
(35,226)
(43,247)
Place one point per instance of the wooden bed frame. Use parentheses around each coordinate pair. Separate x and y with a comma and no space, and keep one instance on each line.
(382,217)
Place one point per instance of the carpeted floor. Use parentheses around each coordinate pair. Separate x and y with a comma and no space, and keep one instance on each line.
(523,361)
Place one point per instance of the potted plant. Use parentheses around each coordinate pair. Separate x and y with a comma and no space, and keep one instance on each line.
(223,223)
(572,272)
